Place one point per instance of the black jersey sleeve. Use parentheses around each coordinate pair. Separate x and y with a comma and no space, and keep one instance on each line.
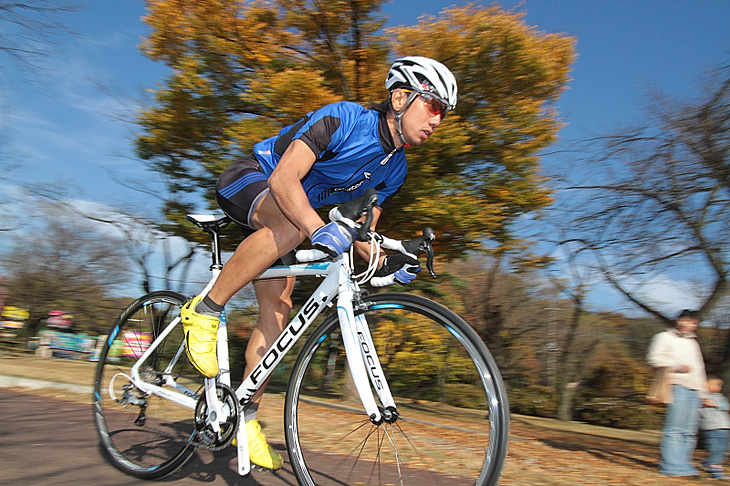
(319,135)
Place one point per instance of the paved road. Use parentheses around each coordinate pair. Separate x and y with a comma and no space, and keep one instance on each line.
(47,441)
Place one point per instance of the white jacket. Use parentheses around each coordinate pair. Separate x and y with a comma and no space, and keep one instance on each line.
(671,349)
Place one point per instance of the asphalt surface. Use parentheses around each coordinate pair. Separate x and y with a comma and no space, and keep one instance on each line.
(48,437)
(50,441)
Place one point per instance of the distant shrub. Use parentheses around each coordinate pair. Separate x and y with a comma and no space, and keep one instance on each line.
(466,396)
(619,413)
(538,401)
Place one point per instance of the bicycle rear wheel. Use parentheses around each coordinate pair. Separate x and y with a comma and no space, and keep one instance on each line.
(145,435)
(453,420)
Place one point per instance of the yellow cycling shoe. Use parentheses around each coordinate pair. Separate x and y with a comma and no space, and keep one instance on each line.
(201,334)
(259,451)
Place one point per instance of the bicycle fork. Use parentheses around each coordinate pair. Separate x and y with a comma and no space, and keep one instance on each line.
(363,362)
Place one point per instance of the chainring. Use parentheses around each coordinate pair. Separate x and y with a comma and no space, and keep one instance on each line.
(206,436)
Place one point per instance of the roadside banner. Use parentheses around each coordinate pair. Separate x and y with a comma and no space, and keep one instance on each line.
(59,320)
(135,344)
(63,341)
(13,318)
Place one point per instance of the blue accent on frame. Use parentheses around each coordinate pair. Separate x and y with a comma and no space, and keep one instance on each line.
(386,306)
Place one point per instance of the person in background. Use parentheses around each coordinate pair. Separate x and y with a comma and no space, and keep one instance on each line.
(715,425)
(677,350)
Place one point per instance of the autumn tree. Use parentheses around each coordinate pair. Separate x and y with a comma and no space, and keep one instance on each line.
(537,328)
(658,202)
(242,71)
(482,171)
(72,267)
(574,339)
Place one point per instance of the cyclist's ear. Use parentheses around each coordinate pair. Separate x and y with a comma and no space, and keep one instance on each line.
(398,99)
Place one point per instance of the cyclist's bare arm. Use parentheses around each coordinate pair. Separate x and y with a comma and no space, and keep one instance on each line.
(286,187)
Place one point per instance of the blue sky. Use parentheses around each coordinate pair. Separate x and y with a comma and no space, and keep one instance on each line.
(70,128)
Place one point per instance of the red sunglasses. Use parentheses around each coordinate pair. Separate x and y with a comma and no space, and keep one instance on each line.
(434,105)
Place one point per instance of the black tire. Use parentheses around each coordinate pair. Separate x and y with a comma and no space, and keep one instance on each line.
(453,423)
(164,441)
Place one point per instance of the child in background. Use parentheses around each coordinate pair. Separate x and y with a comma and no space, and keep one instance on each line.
(715,424)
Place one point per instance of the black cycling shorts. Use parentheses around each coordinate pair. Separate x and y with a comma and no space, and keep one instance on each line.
(239,191)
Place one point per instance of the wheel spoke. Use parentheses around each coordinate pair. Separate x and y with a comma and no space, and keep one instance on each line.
(145,435)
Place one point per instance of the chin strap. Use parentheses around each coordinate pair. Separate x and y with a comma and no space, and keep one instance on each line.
(399,115)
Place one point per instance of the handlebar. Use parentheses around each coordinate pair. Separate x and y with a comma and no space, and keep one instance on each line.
(351,213)
(421,244)
(411,248)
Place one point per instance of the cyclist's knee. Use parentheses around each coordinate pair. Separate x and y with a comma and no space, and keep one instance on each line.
(268,215)
(285,237)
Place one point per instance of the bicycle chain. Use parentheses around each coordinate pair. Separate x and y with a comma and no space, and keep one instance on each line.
(204,435)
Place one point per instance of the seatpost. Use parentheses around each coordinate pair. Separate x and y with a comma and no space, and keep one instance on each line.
(215,247)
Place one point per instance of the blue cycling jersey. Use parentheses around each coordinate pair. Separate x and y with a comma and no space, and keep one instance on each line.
(354,150)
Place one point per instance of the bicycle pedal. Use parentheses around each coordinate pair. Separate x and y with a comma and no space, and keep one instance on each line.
(256,467)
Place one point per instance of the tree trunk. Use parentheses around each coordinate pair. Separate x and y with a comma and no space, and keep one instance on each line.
(565,407)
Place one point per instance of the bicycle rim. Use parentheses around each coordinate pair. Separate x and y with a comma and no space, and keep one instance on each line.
(453,412)
(148,436)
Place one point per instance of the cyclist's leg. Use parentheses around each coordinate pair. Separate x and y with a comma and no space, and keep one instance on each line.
(243,194)
(269,235)
(274,297)
(275,236)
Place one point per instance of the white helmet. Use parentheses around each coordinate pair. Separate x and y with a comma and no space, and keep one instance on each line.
(423,75)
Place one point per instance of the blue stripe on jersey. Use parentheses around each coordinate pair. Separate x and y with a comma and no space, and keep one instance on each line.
(236,186)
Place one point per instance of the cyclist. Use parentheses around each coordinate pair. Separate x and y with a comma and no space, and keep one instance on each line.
(330,156)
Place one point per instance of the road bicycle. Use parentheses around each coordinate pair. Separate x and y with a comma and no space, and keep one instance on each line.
(389,388)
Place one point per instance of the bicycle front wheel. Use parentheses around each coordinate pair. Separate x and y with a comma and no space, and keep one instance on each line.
(144,435)
(453,413)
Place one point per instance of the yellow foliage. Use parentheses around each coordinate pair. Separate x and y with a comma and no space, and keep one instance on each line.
(289,94)
(486,155)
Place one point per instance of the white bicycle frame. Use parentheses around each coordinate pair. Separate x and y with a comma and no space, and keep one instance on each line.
(364,365)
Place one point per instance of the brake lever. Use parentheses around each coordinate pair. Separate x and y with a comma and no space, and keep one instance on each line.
(421,244)
(356,209)
(429,259)
(370,202)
